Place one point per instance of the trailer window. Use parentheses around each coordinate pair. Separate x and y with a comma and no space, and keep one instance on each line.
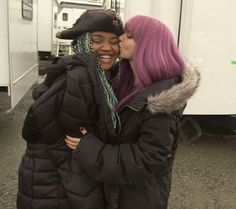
(65,17)
(27,9)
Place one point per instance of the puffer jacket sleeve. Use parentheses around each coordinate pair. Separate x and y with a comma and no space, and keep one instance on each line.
(129,162)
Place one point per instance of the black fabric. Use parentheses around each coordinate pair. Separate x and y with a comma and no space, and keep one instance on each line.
(39,182)
(49,177)
(137,168)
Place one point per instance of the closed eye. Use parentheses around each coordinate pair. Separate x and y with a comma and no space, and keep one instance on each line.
(129,35)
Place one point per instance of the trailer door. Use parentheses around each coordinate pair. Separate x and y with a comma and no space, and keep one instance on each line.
(208,40)
(23,58)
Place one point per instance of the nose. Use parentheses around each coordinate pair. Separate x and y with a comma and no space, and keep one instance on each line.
(121,37)
(106,46)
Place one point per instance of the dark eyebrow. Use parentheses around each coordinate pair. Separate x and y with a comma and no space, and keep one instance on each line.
(97,35)
(101,36)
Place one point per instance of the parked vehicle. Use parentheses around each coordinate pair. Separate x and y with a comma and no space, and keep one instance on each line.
(18,41)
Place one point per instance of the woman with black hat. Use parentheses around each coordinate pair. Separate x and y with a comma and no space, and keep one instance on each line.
(76,93)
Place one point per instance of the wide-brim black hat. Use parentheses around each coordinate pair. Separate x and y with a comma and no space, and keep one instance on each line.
(94,20)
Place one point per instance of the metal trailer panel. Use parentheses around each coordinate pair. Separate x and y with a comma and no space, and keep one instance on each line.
(167,11)
(22,50)
(45,25)
(208,41)
(55,11)
(4,52)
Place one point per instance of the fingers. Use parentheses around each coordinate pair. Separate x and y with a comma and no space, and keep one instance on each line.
(72,142)
(72,139)
(71,147)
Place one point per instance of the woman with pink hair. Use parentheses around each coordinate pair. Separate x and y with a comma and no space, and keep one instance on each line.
(153,87)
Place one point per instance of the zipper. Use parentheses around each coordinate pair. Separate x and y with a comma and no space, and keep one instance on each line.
(132,108)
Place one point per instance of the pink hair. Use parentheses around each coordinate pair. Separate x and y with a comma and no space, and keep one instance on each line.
(156,56)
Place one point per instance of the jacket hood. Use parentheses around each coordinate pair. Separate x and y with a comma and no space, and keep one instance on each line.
(175,98)
(58,67)
(169,95)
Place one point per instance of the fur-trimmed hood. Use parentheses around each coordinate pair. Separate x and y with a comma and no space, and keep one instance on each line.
(167,95)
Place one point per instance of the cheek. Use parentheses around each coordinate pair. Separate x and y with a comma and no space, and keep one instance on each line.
(132,49)
(128,46)
(116,50)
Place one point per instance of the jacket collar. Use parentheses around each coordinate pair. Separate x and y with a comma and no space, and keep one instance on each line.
(167,95)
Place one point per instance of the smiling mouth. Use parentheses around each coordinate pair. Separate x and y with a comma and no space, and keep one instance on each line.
(105,58)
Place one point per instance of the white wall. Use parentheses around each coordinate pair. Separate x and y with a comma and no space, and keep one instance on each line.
(208,41)
(4,56)
(167,11)
(133,7)
(45,25)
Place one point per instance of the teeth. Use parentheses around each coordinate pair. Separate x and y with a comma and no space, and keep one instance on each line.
(105,56)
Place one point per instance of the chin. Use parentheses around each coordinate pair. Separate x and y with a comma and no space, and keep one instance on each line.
(106,68)
(122,56)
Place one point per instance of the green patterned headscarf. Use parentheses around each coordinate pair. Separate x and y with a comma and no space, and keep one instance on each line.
(83,44)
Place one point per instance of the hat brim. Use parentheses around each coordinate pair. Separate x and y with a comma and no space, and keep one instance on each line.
(89,22)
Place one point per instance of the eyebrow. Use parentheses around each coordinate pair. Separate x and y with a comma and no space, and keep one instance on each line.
(101,36)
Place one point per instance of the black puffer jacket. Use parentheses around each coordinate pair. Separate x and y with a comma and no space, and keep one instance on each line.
(46,180)
(137,168)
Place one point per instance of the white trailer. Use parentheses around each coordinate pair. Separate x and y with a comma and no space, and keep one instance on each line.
(18,54)
(206,36)
(47,28)
(207,40)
